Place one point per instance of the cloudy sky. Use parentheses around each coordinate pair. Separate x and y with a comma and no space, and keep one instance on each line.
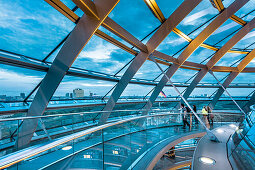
(34,28)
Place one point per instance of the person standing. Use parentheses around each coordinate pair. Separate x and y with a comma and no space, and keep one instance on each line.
(190,117)
(205,116)
(195,110)
(184,116)
(210,116)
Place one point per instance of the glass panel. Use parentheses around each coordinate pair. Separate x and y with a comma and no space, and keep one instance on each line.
(200,15)
(139,22)
(172,45)
(249,6)
(183,76)
(223,31)
(32,28)
(201,55)
(102,56)
(149,70)
(89,88)
(247,41)
(136,91)
(245,78)
(229,59)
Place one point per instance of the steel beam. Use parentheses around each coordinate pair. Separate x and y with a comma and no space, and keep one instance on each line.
(34,64)
(155,10)
(115,42)
(177,16)
(83,73)
(115,28)
(219,5)
(218,55)
(231,77)
(213,26)
(74,44)
(62,8)
(88,7)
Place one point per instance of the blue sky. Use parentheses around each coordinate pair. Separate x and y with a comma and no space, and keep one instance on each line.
(34,28)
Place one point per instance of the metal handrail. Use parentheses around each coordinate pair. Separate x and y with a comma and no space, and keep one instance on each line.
(114,111)
(76,113)
(19,156)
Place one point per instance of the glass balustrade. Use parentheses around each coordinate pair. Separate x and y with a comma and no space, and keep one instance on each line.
(75,141)
(243,147)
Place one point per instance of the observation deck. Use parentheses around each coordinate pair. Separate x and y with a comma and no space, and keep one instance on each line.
(130,141)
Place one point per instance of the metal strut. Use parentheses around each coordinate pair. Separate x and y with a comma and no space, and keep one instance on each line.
(44,128)
(210,133)
(211,72)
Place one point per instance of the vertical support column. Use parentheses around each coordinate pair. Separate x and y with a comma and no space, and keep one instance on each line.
(213,26)
(177,16)
(219,54)
(78,38)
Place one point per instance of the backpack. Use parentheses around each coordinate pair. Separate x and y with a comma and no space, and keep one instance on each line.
(188,109)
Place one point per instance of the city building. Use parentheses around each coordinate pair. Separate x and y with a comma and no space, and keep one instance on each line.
(22,95)
(2,97)
(171,84)
(78,93)
(67,95)
(90,94)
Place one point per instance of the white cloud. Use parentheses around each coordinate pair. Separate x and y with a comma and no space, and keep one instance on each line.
(177,41)
(172,41)
(249,35)
(225,28)
(116,67)
(20,22)
(95,85)
(196,18)
(79,83)
(10,18)
(9,76)
(99,52)
(13,82)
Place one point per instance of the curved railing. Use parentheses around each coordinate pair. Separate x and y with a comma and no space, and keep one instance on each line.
(58,125)
(242,145)
(76,142)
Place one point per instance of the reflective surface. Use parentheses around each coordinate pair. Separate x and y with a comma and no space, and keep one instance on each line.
(244,143)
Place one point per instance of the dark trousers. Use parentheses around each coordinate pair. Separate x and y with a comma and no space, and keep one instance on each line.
(185,122)
(210,120)
(196,120)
